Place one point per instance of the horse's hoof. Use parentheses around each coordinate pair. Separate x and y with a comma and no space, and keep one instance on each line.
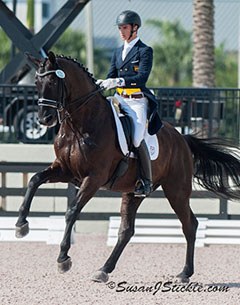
(22,231)
(100,277)
(65,265)
(183,277)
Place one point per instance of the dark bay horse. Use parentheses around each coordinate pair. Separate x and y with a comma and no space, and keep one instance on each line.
(87,154)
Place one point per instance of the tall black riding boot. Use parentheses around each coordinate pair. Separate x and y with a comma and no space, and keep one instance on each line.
(144,185)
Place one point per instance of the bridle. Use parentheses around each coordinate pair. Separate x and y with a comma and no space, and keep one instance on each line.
(60,104)
(49,102)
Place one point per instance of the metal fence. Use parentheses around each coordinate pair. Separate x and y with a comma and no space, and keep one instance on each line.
(69,192)
(19,116)
(210,112)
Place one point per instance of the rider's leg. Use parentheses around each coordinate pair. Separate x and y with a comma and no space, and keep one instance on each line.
(137,110)
(144,186)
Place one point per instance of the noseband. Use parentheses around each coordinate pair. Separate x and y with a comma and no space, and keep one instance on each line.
(60,105)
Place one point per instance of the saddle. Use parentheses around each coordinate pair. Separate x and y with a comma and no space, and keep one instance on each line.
(127,127)
(123,128)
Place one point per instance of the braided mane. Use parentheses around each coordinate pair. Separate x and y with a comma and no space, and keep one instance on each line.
(75,61)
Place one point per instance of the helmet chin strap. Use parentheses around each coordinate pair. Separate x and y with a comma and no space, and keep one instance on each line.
(132,31)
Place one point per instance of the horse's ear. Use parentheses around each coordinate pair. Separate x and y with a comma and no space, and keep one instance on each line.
(52,57)
(33,60)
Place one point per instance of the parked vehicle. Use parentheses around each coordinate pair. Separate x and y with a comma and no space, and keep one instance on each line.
(19,115)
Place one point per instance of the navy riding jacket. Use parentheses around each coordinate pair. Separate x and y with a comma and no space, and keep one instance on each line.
(135,70)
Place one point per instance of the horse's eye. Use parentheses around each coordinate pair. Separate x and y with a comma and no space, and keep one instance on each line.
(52,83)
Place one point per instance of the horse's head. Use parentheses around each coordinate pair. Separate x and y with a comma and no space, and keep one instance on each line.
(50,84)
(63,85)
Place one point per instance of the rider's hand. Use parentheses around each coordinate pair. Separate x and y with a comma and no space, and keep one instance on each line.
(111,83)
(99,81)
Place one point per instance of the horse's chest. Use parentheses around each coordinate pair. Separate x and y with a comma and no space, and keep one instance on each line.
(73,157)
(76,154)
(68,153)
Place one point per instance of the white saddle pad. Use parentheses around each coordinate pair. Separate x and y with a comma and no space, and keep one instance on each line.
(151,141)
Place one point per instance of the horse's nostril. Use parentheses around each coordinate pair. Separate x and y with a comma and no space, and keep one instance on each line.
(48,118)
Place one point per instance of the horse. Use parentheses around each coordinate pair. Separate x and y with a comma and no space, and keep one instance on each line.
(88,153)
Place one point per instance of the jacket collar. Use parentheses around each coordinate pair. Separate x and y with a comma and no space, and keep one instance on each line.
(132,43)
(130,54)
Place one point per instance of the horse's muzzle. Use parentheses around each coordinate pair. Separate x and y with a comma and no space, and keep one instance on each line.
(49,120)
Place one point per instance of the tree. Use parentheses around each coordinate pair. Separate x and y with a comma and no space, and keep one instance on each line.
(172,64)
(102,59)
(203,43)
(30,15)
(71,43)
(226,67)
(5,44)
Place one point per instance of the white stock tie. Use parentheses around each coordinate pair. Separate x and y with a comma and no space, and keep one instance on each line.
(125,52)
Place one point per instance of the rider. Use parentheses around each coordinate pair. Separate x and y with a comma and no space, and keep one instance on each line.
(131,65)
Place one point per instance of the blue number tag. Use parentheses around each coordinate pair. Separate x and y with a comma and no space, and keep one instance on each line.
(60,73)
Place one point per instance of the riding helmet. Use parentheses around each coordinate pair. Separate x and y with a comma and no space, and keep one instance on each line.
(128,17)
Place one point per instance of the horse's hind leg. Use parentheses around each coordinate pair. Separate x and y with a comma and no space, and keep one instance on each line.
(39,178)
(129,208)
(189,226)
(180,204)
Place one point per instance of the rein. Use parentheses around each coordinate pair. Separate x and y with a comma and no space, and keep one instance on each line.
(86,97)
(60,105)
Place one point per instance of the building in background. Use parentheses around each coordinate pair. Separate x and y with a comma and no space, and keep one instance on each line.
(227,14)
(44,9)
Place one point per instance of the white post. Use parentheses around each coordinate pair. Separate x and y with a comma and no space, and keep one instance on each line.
(89,36)
(239,52)
(239,71)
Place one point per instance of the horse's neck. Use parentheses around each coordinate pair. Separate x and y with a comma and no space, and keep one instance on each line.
(92,114)
(92,110)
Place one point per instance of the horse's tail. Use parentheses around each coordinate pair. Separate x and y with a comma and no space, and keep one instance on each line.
(216,165)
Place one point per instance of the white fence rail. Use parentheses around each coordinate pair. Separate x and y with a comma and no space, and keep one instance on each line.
(170,231)
(42,229)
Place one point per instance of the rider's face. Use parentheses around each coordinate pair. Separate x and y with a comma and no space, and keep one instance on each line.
(125,32)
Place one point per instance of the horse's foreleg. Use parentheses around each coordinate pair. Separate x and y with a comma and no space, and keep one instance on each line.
(85,193)
(129,208)
(39,178)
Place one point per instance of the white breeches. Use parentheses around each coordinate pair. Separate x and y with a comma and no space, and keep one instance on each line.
(137,110)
